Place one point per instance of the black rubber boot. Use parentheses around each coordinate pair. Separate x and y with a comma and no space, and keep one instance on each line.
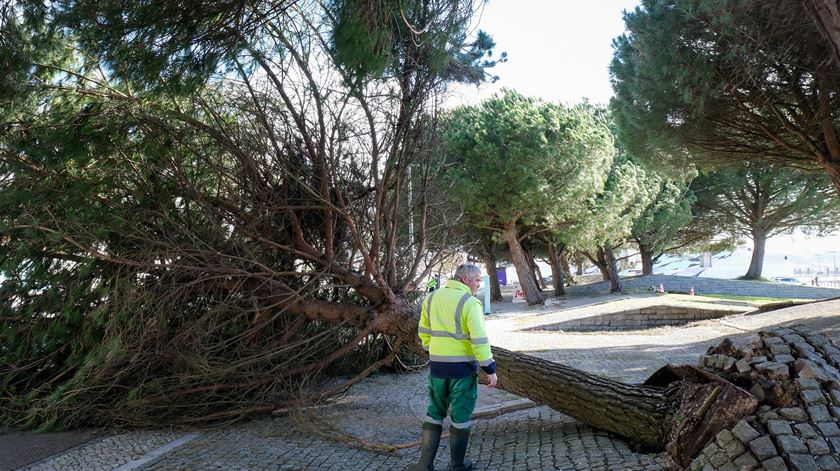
(458,440)
(429,447)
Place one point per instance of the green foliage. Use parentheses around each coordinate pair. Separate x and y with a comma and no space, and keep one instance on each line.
(766,200)
(375,37)
(658,226)
(713,81)
(146,223)
(161,45)
(515,160)
(610,214)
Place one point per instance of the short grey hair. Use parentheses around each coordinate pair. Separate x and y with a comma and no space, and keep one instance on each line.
(466,269)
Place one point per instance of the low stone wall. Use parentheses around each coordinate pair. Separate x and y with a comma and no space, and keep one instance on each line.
(643,318)
(683,284)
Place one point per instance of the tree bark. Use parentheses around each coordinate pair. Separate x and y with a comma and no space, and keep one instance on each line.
(539,276)
(532,265)
(612,270)
(638,412)
(647,259)
(564,263)
(523,270)
(600,261)
(757,261)
(578,265)
(490,266)
(557,280)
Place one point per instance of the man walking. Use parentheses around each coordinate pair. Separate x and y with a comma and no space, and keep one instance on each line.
(452,330)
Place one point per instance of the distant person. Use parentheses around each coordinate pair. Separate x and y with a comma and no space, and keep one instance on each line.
(816,281)
(431,284)
(452,331)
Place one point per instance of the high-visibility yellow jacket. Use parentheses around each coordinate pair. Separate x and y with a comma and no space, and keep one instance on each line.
(452,331)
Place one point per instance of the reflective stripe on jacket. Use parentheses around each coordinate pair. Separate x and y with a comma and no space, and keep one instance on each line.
(452,331)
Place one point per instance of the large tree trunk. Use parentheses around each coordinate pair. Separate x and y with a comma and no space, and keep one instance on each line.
(612,271)
(523,270)
(557,280)
(490,266)
(532,264)
(647,259)
(600,261)
(757,261)
(637,412)
(539,276)
(564,263)
(578,264)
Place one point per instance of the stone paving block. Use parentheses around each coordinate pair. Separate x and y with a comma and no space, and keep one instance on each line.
(774,464)
(734,448)
(710,449)
(728,364)
(779,349)
(830,350)
(724,437)
(809,369)
(763,448)
(819,413)
(743,366)
(770,341)
(805,431)
(802,347)
(770,415)
(794,413)
(790,444)
(784,358)
(817,340)
(775,370)
(758,360)
(829,429)
(802,463)
(718,459)
(835,396)
(745,432)
(813,396)
(835,411)
(779,427)
(747,460)
(835,443)
(828,462)
(699,461)
(756,391)
(808,383)
(818,446)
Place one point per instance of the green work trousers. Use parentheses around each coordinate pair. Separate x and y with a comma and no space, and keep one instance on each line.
(460,393)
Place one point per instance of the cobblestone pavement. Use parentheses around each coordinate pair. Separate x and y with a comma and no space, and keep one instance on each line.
(388,409)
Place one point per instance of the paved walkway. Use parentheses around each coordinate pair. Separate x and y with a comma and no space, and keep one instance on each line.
(388,409)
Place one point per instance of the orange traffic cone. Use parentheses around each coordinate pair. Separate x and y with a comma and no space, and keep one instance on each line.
(661,288)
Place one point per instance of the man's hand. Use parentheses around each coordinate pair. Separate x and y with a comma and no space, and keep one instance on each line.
(492,380)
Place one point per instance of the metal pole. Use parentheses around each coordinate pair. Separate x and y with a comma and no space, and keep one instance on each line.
(487,309)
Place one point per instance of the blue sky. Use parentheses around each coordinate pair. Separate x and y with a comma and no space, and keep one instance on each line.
(558,50)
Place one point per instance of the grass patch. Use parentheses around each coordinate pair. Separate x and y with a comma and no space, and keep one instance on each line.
(761,279)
